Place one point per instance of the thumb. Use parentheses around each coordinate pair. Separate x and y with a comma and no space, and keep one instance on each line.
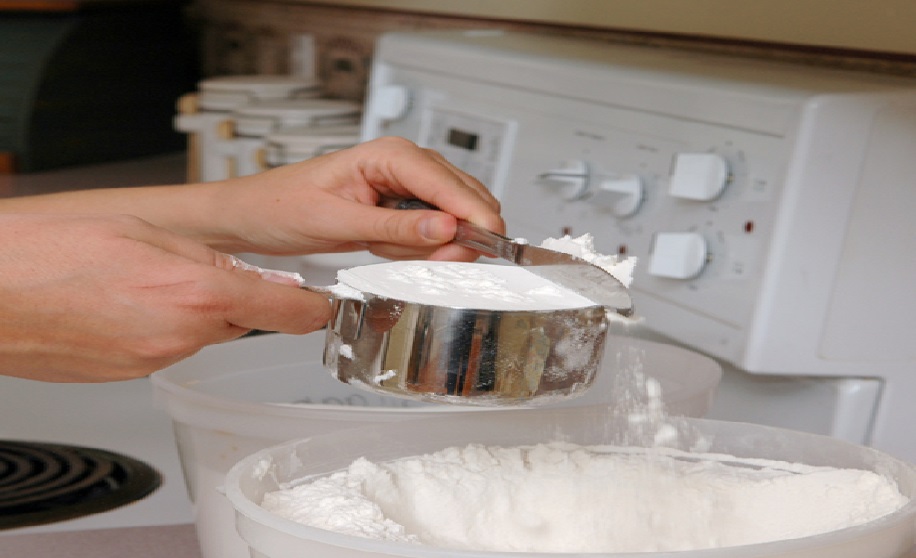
(433,226)
(418,227)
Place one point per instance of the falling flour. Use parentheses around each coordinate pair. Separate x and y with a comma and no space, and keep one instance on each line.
(557,497)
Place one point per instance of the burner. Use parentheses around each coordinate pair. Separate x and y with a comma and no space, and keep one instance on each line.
(42,483)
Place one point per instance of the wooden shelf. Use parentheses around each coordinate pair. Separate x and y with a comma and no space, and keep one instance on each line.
(885,26)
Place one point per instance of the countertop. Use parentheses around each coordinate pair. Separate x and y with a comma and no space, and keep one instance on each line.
(171,541)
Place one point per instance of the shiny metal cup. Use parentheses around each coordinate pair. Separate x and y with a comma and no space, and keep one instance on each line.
(464,356)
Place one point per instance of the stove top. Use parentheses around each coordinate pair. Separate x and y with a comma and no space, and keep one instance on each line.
(43,483)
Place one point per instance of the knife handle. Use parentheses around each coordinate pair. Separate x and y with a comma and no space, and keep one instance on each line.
(470,235)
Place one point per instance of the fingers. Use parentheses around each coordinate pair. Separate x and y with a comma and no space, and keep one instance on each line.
(268,306)
(411,228)
(220,308)
(231,262)
(405,170)
(400,234)
(395,169)
(466,178)
(239,294)
(331,204)
(268,299)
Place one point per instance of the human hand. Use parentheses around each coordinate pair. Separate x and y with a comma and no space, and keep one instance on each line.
(99,298)
(343,202)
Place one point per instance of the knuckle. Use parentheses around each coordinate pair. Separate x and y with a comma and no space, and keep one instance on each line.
(397,142)
(385,144)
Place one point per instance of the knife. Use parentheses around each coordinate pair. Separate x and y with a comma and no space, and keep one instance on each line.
(566,270)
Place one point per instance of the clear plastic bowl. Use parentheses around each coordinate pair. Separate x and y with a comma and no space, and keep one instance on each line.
(231,400)
(270,536)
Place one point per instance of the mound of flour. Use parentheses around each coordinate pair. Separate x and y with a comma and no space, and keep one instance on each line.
(567,498)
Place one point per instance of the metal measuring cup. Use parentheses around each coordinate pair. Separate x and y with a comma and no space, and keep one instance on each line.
(470,356)
(478,356)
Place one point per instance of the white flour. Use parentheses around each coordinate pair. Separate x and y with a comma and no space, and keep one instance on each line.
(568,498)
(464,285)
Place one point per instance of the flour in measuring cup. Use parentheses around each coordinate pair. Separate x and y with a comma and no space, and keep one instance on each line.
(478,285)
(464,285)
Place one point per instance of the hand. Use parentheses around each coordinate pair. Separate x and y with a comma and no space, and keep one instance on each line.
(98,298)
(341,202)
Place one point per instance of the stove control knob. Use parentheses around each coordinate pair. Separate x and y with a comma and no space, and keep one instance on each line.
(389,102)
(621,194)
(698,176)
(571,178)
(678,255)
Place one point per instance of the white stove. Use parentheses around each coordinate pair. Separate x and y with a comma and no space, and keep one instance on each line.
(769,204)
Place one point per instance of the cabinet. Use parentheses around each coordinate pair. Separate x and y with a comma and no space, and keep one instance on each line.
(884,26)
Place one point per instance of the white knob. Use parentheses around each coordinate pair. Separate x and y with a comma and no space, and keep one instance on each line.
(571,177)
(621,194)
(678,255)
(389,102)
(698,176)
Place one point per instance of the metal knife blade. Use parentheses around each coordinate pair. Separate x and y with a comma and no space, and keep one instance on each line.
(566,270)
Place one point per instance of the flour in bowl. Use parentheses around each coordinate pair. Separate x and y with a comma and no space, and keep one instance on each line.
(567,498)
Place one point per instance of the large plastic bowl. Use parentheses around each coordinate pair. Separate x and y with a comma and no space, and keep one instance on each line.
(231,400)
(271,536)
